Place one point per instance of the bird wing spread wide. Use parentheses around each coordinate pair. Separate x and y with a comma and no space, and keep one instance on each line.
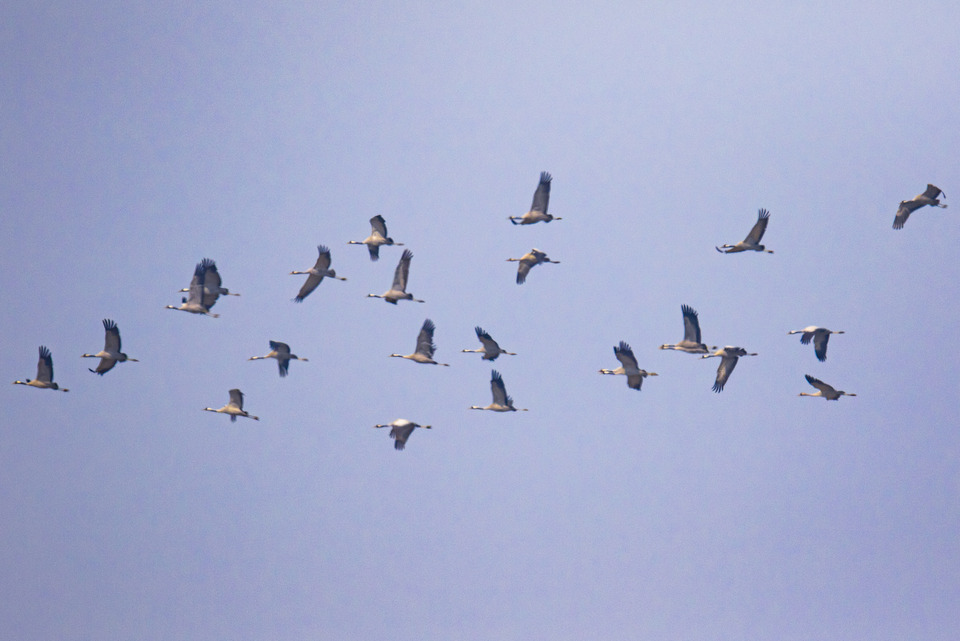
(323,259)
(111,341)
(425,344)
(379,226)
(758,228)
(727,364)
(625,355)
(541,197)
(211,287)
(308,286)
(906,208)
(403,272)
(820,345)
(691,325)
(105,365)
(499,389)
(45,366)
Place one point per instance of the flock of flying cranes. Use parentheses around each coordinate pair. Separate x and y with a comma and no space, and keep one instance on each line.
(206,287)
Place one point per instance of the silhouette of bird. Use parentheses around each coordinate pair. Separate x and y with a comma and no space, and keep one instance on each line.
(378,236)
(541,200)
(528,261)
(629,366)
(44,379)
(234,408)
(399,289)
(425,346)
(111,354)
(691,334)
(752,241)
(824,390)
(729,356)
(400,431)
(929,197)
(501,401)
(194,302)
(281,352)
(490,350)
(316,273)
(819,335)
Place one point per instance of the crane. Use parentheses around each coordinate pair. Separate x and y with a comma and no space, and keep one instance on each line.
(316,273)
(44,379)
(490,350)
(281,352)
(930,196)
(824,390)
(752,241)
(399,289)
(819,335)
(501,401)
(691,334)
(212,284)
(425,346)
(111,354)
(378,236)
(528,261)
(195,301)
(729,356)
(541,200)
(400,431)
(628,361)
(234,408)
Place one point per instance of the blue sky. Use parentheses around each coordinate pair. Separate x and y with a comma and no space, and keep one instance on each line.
(139,138)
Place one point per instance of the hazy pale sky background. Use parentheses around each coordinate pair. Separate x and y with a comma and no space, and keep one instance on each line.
(138,138)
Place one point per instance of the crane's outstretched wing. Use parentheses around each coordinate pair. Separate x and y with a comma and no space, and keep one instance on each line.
(758,228)
(541,197)
(691,324)
(403,271)
(425,344)
(727,364)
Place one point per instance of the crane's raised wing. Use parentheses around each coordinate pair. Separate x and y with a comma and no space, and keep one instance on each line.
(111,341)
(323,259)
(45,366)
(691,324)
(195,295)
(541,197)
(403,271)
(211,283)
(625,355)
(758,228)
(425,344)
(236,398)
(378,225)
(499,390)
